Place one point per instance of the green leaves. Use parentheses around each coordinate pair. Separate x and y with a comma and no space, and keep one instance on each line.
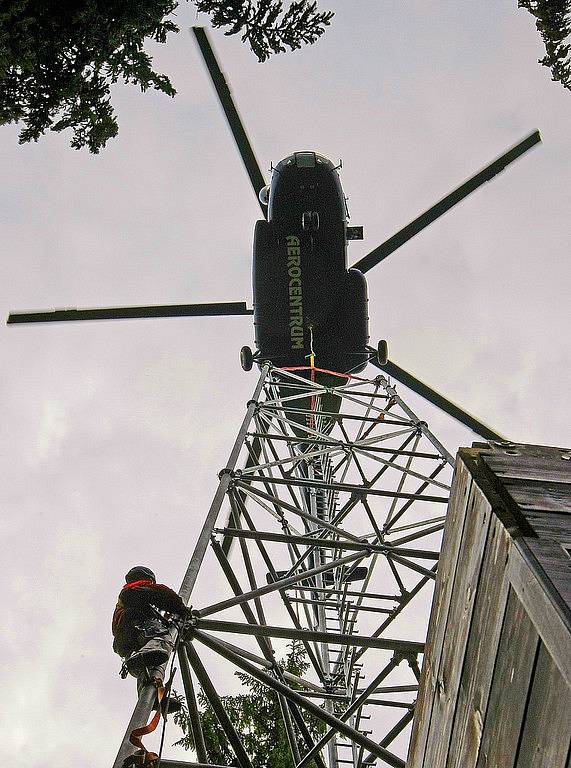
(553,22)
(260,23)
(256,715)
(58,58)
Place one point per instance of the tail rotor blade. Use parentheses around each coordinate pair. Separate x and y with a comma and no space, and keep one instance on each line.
(417,225)
(232,116)
(129,313)
(434,397)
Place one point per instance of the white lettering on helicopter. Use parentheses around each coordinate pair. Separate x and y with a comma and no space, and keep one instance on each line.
(295,295)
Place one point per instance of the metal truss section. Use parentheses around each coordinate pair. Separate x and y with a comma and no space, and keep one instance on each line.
(325,531)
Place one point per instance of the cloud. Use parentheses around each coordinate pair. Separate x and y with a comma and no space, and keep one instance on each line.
(52,430)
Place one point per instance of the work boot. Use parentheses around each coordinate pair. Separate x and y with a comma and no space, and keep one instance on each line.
(146,658)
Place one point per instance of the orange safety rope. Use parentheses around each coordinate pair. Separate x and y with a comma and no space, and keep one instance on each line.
(322,370)
(143,757)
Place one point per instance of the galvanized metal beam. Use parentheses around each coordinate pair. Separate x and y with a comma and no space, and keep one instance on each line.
(292,695)
(214,700)
(288,633)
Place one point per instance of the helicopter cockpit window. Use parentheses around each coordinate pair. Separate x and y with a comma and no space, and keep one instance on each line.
(264,195)
(305,159)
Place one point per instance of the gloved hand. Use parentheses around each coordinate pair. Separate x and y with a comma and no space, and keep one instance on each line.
(183,614)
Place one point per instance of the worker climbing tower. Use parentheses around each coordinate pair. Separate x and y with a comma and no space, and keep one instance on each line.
(324,531)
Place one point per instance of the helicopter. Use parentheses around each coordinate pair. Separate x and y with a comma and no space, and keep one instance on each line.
(307,304)
(306,301)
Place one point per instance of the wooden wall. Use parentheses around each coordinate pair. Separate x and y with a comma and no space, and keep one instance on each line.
(495,690)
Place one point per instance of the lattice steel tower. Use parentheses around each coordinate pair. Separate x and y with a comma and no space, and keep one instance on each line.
(334,500)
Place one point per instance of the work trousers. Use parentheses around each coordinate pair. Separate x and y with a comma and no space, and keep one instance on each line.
(152,639)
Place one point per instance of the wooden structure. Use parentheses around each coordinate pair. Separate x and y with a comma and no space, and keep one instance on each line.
(495,690)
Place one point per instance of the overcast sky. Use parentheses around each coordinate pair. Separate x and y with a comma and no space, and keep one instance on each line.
(113,433)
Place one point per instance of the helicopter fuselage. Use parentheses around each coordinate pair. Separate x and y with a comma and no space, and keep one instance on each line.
(305,299)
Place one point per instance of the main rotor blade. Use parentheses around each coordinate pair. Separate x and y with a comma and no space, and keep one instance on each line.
(426,218)
(422,389)
(128,313)
(234,121)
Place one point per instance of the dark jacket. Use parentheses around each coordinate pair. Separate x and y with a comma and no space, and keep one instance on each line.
(138,605)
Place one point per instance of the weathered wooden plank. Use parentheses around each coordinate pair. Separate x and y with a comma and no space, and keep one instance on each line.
(531,494)
(481,651)
(534,474)
(546,733)
(551,525)
(550,552)
(554,532)
(504,506)
(525,450)
(517,651)
(550,616)
(556,565)
(525,467)
(458,622)
(459,498)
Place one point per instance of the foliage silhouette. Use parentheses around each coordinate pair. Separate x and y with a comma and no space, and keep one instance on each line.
(59,58)
(256,715)
(553,22)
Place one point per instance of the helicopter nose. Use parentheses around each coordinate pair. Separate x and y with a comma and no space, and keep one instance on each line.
(305,159)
